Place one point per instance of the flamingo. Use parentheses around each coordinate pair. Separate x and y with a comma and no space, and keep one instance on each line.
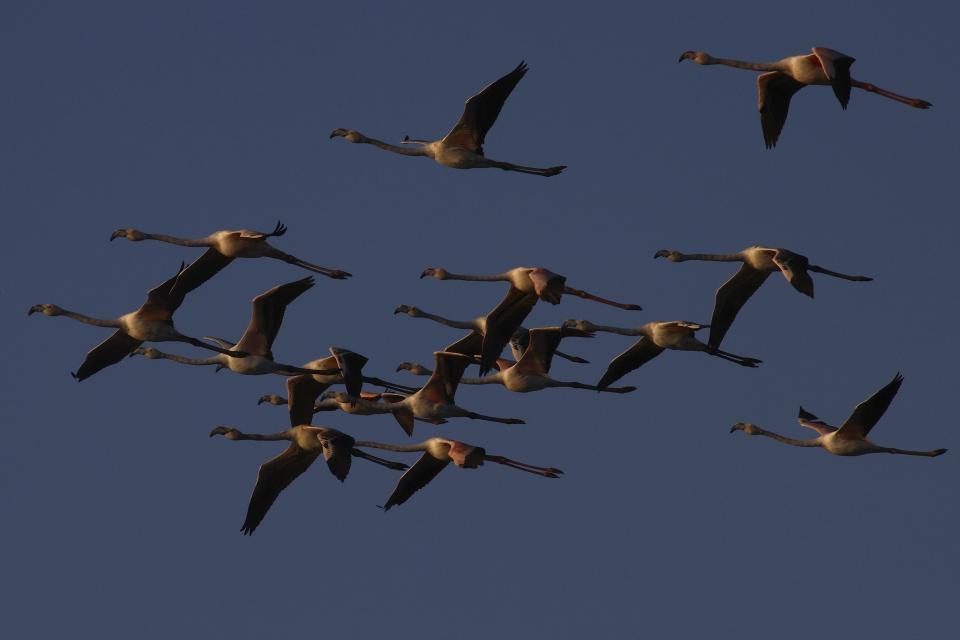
(531,371)
(257,340)
(306,445)
(850,439)
(152,322)
(490,333)
(226,245)
(655,337)
(785,77)
(433,402)
(545,284)
(437,454)
(472,344)
(346,405)
(462,148)
(758,263)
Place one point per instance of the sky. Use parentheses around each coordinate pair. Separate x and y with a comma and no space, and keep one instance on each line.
(122,518)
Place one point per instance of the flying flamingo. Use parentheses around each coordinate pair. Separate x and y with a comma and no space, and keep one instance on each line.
(655,338)
(785,77)
(472,345)
(257,340)
(437,454)
(758,263)
(345,403)
(545,284)
(306,445)
(152,322)
(850,439)
(225,246)
(462,148)
(433,402)
(531,371)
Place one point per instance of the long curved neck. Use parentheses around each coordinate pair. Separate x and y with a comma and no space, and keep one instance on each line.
(404,150)
(98,322)
(498,277)
(403,448)
(193,361)
(493,378)
(624,331)
(815,442)
(711,257)
(741,64)
(282,435)
(186,242)
(456,324)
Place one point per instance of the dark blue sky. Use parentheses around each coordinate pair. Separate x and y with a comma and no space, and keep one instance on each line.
(121,518)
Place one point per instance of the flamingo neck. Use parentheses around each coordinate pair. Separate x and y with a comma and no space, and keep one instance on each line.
(97,322)
(493,378)
(499,277)
(283,435)
(711,257)
(194,361)
(456,324)
(742,64)
(185,242)
(623,331)
(814,442)
(404,151)
(402,448)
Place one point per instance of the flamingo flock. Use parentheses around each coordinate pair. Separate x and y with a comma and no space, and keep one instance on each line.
(310,386)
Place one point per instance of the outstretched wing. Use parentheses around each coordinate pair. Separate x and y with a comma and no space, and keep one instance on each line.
(869,412)
(351,369)
(469,345)
(199,271)
(730,298)
(415,478)
(274,476)
(481,112)
(810,421)
(793,266)
(538,356)
(302,393)
(337,448)
(502,322)
(774,91)
(268,309)
(110,351)
(448,369)
(836,66)
(160,305)
(642,351)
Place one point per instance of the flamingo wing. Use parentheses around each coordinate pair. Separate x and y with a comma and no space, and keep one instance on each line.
(810,421)
(337,448)
(274,476)
(268,310)
(868,413)
(302,394)
(441,387)
(547,284)
(502,322)
(111,351)
(415,478)
(793,266)
(538,356)
(481,111)
(351,369)
(642,351)
(469,345)
(774,90)
(160,305)
(198,272)
(836,66)
(730,298)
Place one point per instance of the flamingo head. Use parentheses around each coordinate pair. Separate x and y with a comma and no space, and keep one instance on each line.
(435,272)
(130,234)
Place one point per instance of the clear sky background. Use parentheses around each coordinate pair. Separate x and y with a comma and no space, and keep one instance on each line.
(121,517)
